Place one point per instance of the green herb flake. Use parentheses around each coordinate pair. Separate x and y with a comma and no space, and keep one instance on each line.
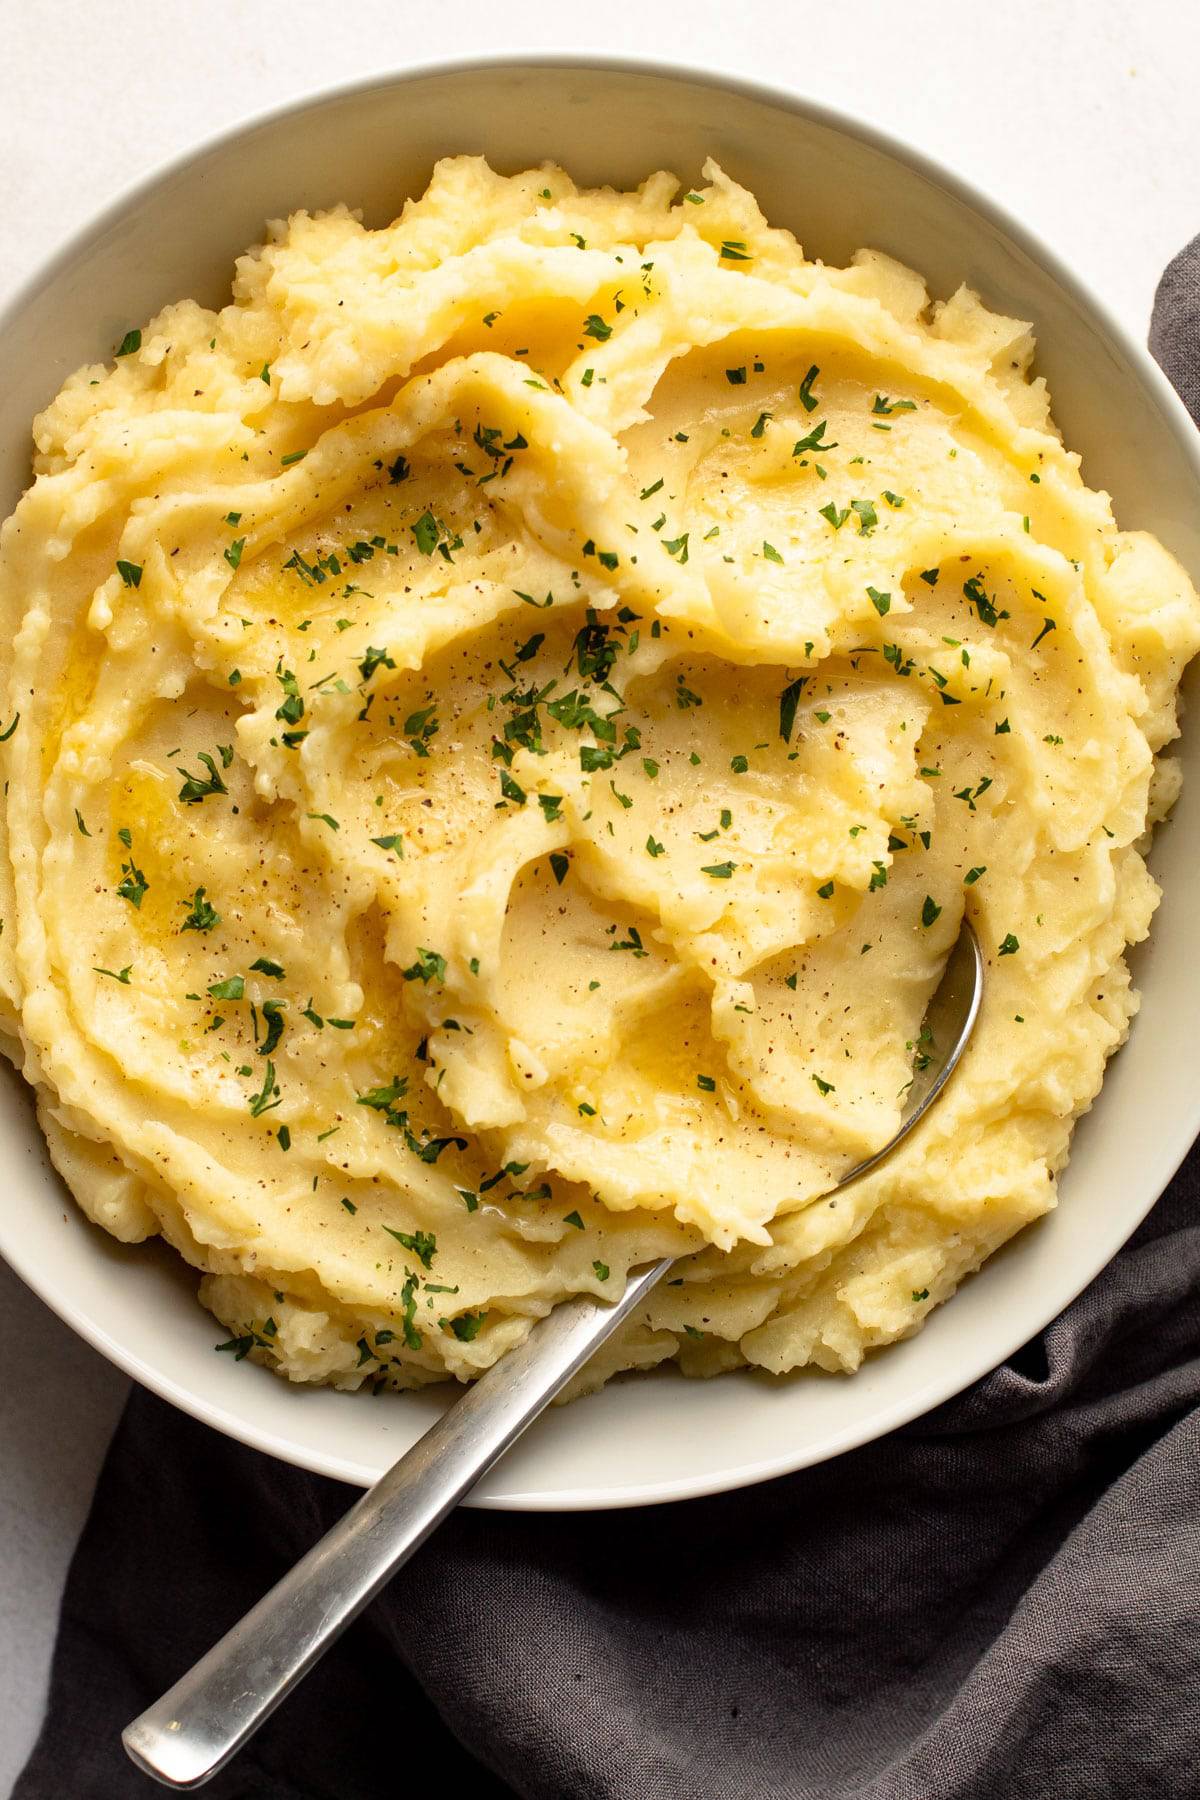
(202,915)
(788,702)
(423,1244)
(429,966)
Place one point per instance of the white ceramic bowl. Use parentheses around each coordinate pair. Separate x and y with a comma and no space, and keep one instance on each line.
(838,185)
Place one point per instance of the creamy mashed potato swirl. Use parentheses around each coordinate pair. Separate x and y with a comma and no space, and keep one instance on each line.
(503,723)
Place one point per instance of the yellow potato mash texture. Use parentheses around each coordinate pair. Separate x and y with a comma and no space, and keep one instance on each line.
(503,722)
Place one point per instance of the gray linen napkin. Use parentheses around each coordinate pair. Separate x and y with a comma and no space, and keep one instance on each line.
(999,1602)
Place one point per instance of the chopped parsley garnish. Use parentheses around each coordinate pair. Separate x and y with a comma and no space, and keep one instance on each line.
(375,659)
(972,875)
(788,702)
(719,871)
(984,606)
(423,1244)
(130,573)
(736,377)
(814,440)
(595,327)
(1009,946)
(881,602)
(202,915)
(426,533)
(273,1014)
(383,1099)
(771,553)
(601,1271)
(262,1101)
(466,1326)
(734,250)
(429,966)
(930,911)
(131,342)
(233,553)
(233,987)
(824,1087)
(122,976)
(883,405)
(134,885)
(808,399)
(264,966)
(198,787)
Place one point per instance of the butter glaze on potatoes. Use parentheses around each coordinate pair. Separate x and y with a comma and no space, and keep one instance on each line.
(512,711)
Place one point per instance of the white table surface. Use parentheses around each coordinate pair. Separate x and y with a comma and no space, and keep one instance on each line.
(1078,115)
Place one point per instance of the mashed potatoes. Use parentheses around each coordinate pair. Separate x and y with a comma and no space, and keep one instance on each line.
(503,723)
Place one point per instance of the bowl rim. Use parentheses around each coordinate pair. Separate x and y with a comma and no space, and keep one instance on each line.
(924,1396)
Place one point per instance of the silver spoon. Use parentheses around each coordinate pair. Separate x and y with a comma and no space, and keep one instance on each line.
(204,1720)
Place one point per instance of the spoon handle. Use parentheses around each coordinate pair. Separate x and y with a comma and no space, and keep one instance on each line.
(202,1721)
